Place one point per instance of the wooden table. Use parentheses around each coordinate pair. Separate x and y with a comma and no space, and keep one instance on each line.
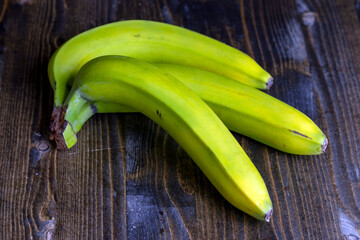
(127,179)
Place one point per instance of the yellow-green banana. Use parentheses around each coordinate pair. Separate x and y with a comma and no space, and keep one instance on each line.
(177,109)
(243,109)
(152,42)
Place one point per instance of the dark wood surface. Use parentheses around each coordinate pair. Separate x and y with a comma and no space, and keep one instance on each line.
(127,179)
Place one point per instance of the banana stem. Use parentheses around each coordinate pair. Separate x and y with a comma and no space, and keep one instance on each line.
(80,113)
(87,111)
(73,109)
(75,123)
(61,129)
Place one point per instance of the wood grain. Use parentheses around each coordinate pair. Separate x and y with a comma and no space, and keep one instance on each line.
(127,179)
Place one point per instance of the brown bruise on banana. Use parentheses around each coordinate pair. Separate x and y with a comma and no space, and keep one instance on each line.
(93,108)
(300,134)
(83,97)
(158,113)
(57,127)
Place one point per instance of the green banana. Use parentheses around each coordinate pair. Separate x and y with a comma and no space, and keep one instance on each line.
(243,109)
(178,110)
(152,42)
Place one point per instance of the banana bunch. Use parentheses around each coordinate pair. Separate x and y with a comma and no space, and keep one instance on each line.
(194,87)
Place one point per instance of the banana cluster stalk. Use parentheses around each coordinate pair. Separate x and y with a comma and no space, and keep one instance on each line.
(152,42)
(177,109)
(242,109)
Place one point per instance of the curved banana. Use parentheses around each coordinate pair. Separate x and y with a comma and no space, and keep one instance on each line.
(184,116)
(243,109)
(152,42)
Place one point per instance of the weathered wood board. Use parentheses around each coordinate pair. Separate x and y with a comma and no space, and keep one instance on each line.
(127,179)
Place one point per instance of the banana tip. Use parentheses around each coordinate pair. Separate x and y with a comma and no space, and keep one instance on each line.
(324,145)
(269,83)
(268,215)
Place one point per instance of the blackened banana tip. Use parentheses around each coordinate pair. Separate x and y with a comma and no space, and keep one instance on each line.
(268,215)
(324,145)
(269,83)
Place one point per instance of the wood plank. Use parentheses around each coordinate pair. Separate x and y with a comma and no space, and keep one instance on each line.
(27,205)
(127,179)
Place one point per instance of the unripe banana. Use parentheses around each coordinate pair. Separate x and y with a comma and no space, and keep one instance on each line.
(152,42)
(186,118)
(243,109)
